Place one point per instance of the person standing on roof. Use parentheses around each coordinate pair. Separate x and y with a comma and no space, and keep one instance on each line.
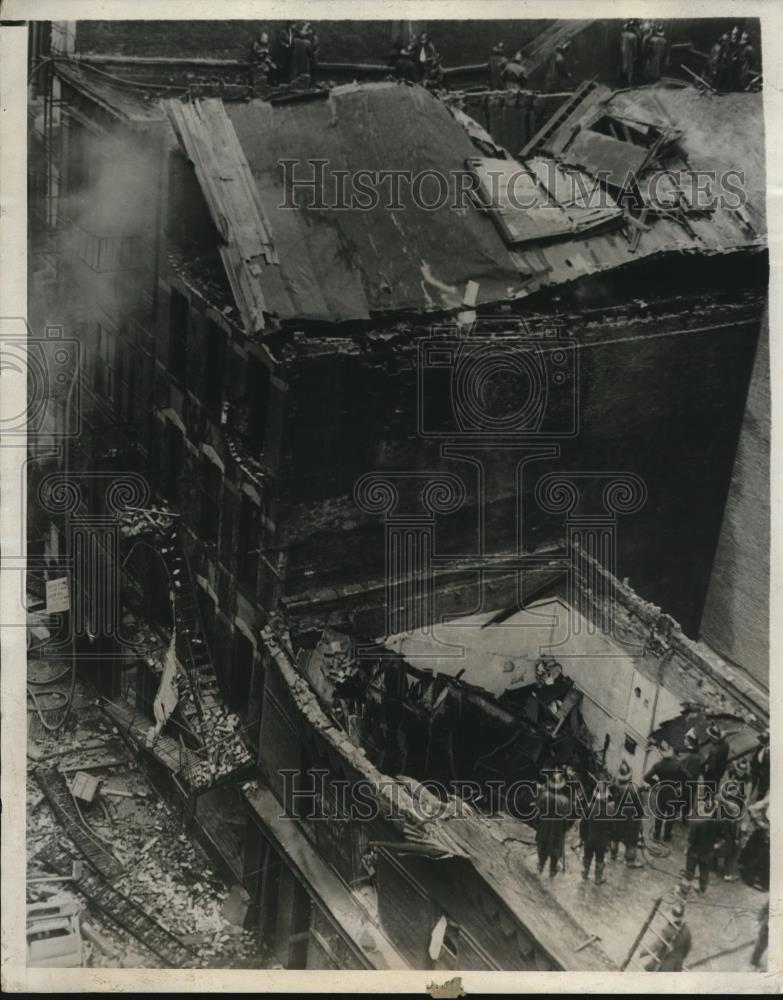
(559,75)
(666,777)
(644,32)
(281,54)
(627,825)
(514,75)
(595,832)
(717,757)
(423,55)
(553,810)
(747,61)
(300,57)
(718,62)
(733,56)
(262,69)
(404,67)
(313,45)
(497,63)
(657,55)
(629,50)
(435,78)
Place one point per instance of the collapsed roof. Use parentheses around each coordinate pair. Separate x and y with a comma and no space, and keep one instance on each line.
(349,264)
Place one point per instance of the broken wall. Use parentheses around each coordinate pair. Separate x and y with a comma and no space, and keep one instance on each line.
(661,397)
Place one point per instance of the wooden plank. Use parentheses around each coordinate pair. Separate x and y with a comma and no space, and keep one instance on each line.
(211,143)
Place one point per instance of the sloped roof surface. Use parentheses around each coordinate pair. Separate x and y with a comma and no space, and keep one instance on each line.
(346,264)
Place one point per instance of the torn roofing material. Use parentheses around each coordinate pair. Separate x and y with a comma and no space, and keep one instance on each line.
(340,264)
(207,135)
(717,134)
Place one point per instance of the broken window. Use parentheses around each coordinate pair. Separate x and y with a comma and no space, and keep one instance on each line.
(210,483)
(215,366)
(178,334)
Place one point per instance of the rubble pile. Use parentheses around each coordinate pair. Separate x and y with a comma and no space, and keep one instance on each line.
(164,872)
(144,522)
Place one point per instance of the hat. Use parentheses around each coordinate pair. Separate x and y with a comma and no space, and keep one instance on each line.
(678,913)
(713,731)
(499,47)
(624,774)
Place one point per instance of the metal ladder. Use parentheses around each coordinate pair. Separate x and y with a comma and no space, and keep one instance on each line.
(553,124)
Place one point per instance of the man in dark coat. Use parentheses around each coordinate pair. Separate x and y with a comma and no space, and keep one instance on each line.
(559,75)
(554,820)
(656,55)
(738,783)
(497,63)
(513,74)
(627,824)
(629,50)
(747,61)
(424,53)
(405,68)
(718,64)
(690,762)
(595,832)
(281,52)
(705,841)
(716,759)
(666,777)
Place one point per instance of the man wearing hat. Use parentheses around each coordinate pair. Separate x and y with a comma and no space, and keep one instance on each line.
(629,51)
(690,763)
(717,757)
(734,795)
(497,63)
(666,777)
(627,824)
(554,819)
(705,840)
(655,57)
(595,832)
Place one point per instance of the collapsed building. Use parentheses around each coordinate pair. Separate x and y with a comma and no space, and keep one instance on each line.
(293,627)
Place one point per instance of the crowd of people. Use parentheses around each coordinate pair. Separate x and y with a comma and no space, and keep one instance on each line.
(292,57)
(732,62)
(418,62)
(727,832)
